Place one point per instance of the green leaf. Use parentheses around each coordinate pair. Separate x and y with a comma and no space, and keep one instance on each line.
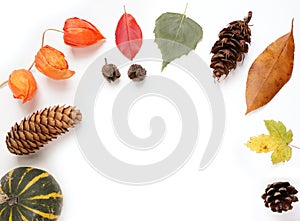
(281,154)
(176,35)
(278,129)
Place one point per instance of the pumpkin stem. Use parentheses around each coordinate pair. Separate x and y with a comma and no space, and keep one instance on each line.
(13,200)
(3,197)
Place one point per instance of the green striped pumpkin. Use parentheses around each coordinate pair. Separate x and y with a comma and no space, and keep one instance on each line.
(29,194)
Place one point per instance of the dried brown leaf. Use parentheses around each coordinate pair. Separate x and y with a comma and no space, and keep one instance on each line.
(271,70)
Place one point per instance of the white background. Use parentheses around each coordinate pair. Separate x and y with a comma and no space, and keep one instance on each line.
(230,188)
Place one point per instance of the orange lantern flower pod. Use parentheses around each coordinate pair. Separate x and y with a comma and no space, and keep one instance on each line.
(80,33)
(22,84)
(52,63)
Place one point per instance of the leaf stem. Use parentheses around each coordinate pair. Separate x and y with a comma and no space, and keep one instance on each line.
(185,8)
(294,146)
(49,29)
(183,15)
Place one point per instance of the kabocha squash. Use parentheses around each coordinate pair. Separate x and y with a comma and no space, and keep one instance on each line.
(29,194)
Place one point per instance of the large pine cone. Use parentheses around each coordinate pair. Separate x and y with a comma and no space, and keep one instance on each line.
(34,131)
(231,46)
(279,196)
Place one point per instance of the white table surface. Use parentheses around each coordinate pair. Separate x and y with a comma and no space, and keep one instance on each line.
(230,188)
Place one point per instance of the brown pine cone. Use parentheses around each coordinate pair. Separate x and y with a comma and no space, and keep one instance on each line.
(279,196)
(36,130)
(231,46)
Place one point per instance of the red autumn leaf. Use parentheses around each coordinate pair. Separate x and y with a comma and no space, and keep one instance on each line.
(81,33)
(129,36)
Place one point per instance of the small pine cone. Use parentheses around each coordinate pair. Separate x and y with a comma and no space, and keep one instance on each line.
(110,72)
(279,196)
(136,72)
(36,130)
(231,46)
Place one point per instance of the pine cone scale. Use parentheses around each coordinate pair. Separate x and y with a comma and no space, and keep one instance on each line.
(15,135)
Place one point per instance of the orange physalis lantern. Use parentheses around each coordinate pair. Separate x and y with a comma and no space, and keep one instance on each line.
(80,33)
(52,63)
(22,84)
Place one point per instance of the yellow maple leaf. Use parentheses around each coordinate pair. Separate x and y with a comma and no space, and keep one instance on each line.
(263,143)
(277,141)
